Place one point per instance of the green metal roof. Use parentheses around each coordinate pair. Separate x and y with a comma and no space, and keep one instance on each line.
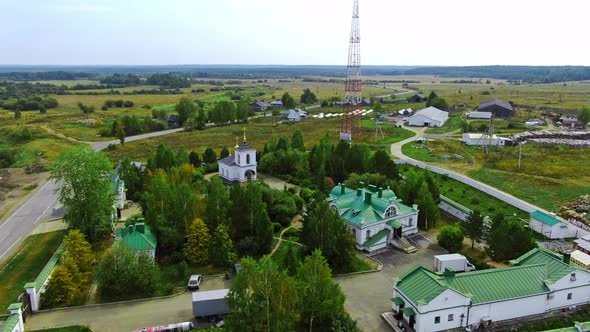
(455,204)
(398,300)
(376,238)
(554,265)
(408,311)
(544,218)
(420,285)
(137,239)
(355,209)
(44,274)
(15,306)
(533,271)
(394,224)
(9,324)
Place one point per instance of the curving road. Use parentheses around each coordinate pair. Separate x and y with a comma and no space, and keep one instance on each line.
(396,150)
(22,221)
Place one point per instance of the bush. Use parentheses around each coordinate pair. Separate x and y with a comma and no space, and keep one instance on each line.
(451,238)
(112,147)
(475,201)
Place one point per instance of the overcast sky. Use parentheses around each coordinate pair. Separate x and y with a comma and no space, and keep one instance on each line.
(410,32)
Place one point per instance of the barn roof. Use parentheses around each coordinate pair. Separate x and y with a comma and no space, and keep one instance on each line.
(496,102)
(432,113)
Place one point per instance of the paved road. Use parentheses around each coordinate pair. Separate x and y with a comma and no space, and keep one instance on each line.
(396,150)
(22,222)
(126,316)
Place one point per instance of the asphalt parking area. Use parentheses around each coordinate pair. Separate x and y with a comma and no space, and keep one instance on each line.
(369,295)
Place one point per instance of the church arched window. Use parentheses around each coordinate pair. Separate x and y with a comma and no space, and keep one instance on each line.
(239,159)
(368,233)
(248,159)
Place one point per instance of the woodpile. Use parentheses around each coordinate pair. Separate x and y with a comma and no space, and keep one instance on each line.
(578,210)
(573,138)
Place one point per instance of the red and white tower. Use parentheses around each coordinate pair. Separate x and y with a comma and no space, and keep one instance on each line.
(353,88)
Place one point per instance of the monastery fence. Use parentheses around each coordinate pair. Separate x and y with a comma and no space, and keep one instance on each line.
(14,322)
(34,290)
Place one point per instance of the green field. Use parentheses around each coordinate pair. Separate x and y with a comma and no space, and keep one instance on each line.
(454,123)
(24,267)
(549,176)
(67,329)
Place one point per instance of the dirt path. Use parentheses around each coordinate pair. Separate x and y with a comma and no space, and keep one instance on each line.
(60,135)
(295,223)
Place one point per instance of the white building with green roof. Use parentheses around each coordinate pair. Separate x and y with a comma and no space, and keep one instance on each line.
(551,227)
(538,282)
(375,215)
(139,238)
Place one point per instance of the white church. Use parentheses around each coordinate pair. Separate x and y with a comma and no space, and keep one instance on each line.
(240,166)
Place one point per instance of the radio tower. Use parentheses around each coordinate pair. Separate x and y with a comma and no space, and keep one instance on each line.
(353,89)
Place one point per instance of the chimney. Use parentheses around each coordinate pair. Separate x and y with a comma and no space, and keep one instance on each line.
(342,189)
(566,257)
(361,185)
(359,192)
(140,227)
(380,193)
(372,188)
(368,196)
(449,273)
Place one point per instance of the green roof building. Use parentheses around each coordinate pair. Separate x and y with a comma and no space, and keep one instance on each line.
(138,237)
(375,215)
(538,282)
(551,227)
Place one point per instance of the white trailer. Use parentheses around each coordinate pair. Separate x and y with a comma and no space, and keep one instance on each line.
(455,262)
(210,303)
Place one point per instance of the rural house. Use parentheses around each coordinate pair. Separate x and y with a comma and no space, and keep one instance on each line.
(499,108)
(570,122)
(138,238)
(173,121)
(583,244)
(239,166)
(538,282)
(418,98)
(484,139)
(551,227)
(261,106)
(479,115)
(375,215)
(294,115)
(276,104)
(429,117)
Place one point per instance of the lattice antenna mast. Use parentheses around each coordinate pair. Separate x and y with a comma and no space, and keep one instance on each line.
(353,90)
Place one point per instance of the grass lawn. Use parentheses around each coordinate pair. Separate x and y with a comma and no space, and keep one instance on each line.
(67,329)
(454,122)
(582,314)
(470,197)
(549,176)
(24,267)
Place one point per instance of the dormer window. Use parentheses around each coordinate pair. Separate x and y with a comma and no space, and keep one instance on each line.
(390,212)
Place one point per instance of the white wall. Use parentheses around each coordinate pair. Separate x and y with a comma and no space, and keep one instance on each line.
(453,211)
(557,231)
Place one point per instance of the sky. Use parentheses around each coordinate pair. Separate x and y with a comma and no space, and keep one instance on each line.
(289,32)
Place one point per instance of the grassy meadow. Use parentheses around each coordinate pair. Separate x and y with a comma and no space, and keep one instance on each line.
(549,176)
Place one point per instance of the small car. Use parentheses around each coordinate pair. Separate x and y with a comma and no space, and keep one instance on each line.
(195,281)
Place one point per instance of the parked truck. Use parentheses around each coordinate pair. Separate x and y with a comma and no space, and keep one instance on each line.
(455,262)
(210,304)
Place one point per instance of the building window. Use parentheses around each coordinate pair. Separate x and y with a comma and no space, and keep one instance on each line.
(239,159)
(368,233)
(569,296)
(410,221)
(248,159)
(451,317)
(437,320)
(390,212)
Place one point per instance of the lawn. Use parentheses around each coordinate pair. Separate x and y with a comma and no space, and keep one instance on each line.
(454,122)
(470,197)
(25,265)
(549,175)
